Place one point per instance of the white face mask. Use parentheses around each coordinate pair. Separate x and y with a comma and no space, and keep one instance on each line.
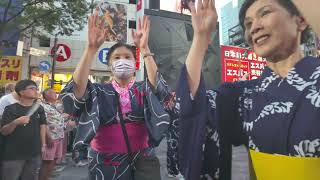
(123,68)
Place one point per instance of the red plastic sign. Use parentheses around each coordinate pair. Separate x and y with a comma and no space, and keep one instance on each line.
(139,5)
(63,52)
(137,59)
(237,62)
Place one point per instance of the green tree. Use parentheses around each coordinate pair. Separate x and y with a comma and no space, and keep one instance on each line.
(45,16)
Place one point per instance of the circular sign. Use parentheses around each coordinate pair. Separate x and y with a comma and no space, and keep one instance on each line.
(63,52)
(44,66)
(103,55)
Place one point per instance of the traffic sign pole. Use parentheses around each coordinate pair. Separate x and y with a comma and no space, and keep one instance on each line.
(54,59)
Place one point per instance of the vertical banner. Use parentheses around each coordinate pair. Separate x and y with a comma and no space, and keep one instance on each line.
(237,62)
(10,69)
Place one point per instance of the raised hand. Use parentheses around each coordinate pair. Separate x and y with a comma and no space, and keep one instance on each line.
(141,36)
(96,31)
(204,18)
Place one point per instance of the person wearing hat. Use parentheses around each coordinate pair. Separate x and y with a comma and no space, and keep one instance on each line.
(24,128)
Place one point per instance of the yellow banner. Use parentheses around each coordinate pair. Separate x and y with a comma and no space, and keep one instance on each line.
(280,167)
(10,69)
(60,81)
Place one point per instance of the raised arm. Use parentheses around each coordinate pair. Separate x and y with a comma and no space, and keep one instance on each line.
(141,39)
(96,37)
(204,20)
(310,10)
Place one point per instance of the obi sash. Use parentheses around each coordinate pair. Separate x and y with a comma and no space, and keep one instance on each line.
(109,138)
(280,167)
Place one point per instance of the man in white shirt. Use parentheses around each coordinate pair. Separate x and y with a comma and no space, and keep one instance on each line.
(11,97)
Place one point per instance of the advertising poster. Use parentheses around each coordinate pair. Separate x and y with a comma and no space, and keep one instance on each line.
(115,20)
(10,69)
(237,62)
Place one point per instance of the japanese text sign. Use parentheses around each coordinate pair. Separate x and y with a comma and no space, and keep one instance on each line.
(10,69)
(237,62)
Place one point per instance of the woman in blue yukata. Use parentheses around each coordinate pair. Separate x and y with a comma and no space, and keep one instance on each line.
(277,117)
(123,120)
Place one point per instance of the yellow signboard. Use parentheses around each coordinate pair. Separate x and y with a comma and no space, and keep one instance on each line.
(10,69)
(280,167)
(60,81)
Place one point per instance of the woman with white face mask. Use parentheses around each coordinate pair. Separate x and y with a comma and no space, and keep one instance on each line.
(122,120)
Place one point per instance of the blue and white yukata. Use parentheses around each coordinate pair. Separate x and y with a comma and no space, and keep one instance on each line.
(272,115)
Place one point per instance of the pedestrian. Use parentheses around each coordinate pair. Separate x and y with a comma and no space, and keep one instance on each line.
(52,151)
(69,126)
(276,117)
(10,97)
(9,88)
(23,126)
(122,120)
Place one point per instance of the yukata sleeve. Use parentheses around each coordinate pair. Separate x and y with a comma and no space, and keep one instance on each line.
(157,118)
(231,120)
(72,105)
(159,110)
(163,94)
(224,129)
(192,127)
(161,90)
(85,110)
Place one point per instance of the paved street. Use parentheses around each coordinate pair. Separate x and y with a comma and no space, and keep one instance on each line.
(239,170)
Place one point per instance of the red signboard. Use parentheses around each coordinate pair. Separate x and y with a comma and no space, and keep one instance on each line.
(237,62)
(63,52)
(137,59)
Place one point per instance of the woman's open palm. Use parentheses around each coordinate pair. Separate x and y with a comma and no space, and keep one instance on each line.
(204,18)
(141,36)
(96,31)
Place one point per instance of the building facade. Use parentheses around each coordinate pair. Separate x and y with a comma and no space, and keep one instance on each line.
(231,31)
(70,48)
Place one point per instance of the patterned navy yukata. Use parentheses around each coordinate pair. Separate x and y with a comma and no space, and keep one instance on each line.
(98,108)
(272,115)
